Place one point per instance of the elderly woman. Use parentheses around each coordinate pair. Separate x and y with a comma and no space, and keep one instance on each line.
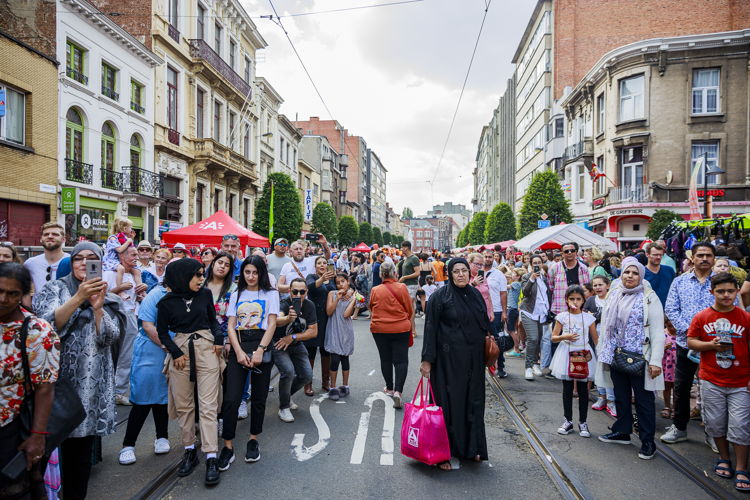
(88,321)
(453,355)
(534,310)
(391,309)
(632,334)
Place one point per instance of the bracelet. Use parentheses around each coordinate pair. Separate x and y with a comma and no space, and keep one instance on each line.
(43,433)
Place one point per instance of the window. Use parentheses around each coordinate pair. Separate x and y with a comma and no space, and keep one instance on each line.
(74,135)
(559,128)
(230,209)
(287,154)
(109,81)
(199,195)
(74,63)
(136,151)
(232,54)
(711,150)
(201,31)
(315,189)
(172,98)
(217,121)
(246,212)
(136,97)
(172,15)
(248,66)
(581,183)
(108,147)
(299,180)
(600,184)
(600,114)
(307,182)
(172,186)
(232,134)
(631,98)
(246,141)
(281,149)
(294,158)
(705,91)
(631,173)
(217,195)
(13,124)
(217,38)
(199,114)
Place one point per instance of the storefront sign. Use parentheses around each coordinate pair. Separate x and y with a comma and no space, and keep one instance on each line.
(716,193)
(68,203)
(93,223)
(611,234)
(628,211)
(599,202)
(308,205)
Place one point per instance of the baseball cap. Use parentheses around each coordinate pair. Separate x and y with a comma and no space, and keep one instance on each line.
(179,246)
(280,240)
(144,244)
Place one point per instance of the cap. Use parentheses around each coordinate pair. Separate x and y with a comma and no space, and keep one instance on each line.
(144,244)
(280,240)
(179,246)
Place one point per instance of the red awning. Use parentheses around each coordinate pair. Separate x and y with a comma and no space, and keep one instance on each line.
(211,231)
(360,248)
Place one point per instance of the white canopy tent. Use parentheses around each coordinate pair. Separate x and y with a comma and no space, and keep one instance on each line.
(563,233)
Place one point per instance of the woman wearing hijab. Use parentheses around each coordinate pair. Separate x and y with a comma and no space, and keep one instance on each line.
(196,360)
(632,328)
(453,356)
(87,319)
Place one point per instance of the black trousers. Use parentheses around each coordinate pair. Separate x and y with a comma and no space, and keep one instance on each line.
(336,359)
(625,385)
(75,466)
(684,374)
(583,399)
(394,355)
(137,418)
(235,375)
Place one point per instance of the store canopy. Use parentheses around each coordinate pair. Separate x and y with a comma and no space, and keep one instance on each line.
(211,231)
(554,236)
(362,247)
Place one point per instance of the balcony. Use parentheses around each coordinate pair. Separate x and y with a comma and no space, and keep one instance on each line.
(78,171)
(629,194)
(137,107)
(215,154)
(77,75)
(139,181)
(111,179)
(173,136)
(202,53)
(579,150)
(110,93)
(173,33)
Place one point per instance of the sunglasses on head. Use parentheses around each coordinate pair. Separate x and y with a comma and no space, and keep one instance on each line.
(298,292)
(569,250)
(8,244)
(231,237)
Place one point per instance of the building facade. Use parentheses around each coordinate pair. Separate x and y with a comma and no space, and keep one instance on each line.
(317,154)
(375,190)
(646,112)
(289,137)
(459,213)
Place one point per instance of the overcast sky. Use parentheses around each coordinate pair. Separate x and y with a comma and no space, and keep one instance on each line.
(393,75)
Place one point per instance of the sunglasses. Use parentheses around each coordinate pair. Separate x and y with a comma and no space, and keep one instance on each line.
(49,273)
(282,244)
(207,252)
(231,237)
(8,244)
(298,292)
(79,258)
(145,249)
(178,250)
(199,274)
(569,250)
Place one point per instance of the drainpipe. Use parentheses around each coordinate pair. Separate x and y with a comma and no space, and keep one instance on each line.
(747,131)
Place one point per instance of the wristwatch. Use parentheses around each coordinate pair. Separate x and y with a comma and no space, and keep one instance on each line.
(264,347)
(294,336)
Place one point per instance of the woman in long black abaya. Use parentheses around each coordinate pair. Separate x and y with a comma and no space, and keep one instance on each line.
(453,356)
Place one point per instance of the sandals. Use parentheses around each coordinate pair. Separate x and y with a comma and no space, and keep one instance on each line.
(444,466)
(666,413)
(387,392)
(725,467)
(738,481)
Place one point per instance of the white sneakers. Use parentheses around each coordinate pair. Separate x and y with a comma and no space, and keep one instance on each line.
(161,446)
(293,406)
(529,375)
(242,412)
(286,415)
(600,404)
(127,455)
(537,370)
(122,400)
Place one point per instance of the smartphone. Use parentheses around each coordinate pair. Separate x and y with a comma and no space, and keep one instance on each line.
(15,467)
(536,269)
(297,304)
(312,236)
(93,269)
(331,267)
(480,273)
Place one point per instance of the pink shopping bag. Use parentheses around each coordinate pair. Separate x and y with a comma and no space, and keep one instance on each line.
(424,436)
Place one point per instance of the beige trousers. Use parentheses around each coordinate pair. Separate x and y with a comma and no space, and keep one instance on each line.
(208,368)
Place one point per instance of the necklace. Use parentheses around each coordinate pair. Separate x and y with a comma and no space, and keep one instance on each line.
(188,303)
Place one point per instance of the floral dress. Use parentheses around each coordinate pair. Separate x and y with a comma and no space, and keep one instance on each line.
(669,360)
(221,306)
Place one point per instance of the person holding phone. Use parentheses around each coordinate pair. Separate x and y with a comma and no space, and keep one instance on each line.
(476,263)
(339,340)
(534,311)
(318,286)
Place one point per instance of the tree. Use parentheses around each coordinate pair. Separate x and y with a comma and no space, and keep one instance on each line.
(348,231)
(377,236)
(544,196)
(365,232)
(287,208)
(659,221)
(466,232)
(407,214)
(324,221)
(476,235)
(500,225)
(387,238)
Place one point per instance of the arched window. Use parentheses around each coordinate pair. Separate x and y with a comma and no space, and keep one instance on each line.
(108,146)
(136,151)
(74,135)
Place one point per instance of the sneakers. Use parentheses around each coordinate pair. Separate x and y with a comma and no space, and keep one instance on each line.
(293,406)
(226,457)
(212,471)
(529,375)
(161,446)
(611,409)
(615,437)
(333,394)
(253,451)
(397,403)
(188,463)
(286,415)
(583,430)
(673,435)
(566,427)
(344,390)
(242,412)
(501,374)
(127,456)
(647,451)
(122,400)
(536,370)
(547,374)
(600,404)
(711,442)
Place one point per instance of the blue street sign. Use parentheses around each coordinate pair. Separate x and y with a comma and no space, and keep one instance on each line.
(2,102)
(541,224)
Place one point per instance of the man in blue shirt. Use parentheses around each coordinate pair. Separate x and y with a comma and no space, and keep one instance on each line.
(379,259)
(659,276)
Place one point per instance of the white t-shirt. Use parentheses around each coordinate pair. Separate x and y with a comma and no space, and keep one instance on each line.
(152,270)
(253,308)
(498,284)
(307,266)
(128,296)
(429,290)
(37,266)
(577,324)
(276,264)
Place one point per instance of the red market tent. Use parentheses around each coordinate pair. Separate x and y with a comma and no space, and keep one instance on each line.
(360,248)
(210,232)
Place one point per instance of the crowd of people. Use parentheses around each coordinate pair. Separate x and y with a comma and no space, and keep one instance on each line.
(191,334)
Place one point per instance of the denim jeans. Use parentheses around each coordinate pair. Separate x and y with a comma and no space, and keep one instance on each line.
(498,326)
(607,392)
(294,371)
(548,348)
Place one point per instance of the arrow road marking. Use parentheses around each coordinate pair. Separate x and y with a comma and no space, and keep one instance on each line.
(386,442)
(303,453)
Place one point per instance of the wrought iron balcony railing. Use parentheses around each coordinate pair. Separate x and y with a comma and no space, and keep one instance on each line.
(173,136)
(199,49)
(78,171)
(173,33)
(110,93)
(77,75)
(137,107)
(111,179)
(140,181)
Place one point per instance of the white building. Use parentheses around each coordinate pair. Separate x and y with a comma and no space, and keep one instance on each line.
(106,128)
(270,102)
(289,138)
(376,181)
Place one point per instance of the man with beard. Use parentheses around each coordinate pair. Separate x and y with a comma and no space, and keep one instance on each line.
(300,266)
(43,267)
(279,257)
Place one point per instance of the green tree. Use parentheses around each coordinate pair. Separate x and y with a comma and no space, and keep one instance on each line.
(462,239)
(500,225)
(466,232)
(544,196)
(377,236)
(408,213)
(478,222)
(659,222)
(365,232)
(287,208)
(348,231)
(324,221)
(387,238)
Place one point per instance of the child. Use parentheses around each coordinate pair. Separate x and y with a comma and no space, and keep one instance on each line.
(429,288)
(116,244)
(588,290)
(514,292)
(720,334)
(574,328)
(339,339)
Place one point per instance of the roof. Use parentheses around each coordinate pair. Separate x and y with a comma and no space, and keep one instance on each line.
(211,231)
(563,233)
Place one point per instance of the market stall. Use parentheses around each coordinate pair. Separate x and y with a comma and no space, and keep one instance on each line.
(555,236)
(211,231)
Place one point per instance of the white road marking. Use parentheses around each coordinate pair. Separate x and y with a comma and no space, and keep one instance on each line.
(303,453)
(389,422)
(371,373)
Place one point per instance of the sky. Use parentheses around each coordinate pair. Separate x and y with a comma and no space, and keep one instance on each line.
(393,75)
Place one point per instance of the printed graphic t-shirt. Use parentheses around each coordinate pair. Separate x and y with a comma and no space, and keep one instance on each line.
(730,368)
(253,308)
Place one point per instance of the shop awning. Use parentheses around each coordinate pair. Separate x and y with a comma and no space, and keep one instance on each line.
(557,235)
(596,222)
(211,231)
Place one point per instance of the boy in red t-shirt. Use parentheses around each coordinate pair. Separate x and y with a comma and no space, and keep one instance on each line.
(720,334)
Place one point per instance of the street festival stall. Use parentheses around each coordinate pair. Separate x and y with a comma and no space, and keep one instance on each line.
(555,236)
(211,231)
(360,248)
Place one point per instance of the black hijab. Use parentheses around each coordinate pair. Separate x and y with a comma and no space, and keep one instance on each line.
(177,278)
(472,309)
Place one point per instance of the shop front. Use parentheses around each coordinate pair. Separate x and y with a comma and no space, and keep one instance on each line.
(93,221)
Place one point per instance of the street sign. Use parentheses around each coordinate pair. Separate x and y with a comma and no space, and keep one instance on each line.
(542,223)
(308,205)
(2,102)
(544,216)
(68,203)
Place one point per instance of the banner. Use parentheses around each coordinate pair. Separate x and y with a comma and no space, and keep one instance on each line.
(270,218)
(695,211)
(308,205)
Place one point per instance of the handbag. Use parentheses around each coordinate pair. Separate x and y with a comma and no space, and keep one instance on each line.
(578,361)
(424,436)
(67,411)
(491,350)
(504,342)
(628,362)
